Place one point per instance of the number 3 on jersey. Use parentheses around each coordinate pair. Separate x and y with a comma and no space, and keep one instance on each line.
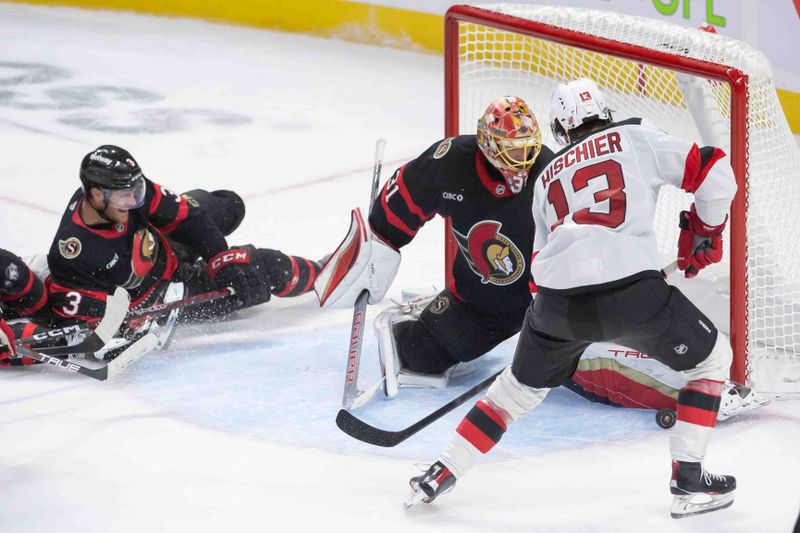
(614,193)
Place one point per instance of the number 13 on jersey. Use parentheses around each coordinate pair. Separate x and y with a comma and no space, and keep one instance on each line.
(564,201)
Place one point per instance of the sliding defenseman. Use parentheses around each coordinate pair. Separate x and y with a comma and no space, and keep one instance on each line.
(598,279)
(121,229)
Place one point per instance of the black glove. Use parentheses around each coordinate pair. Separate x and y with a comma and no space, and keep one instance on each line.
(233,268)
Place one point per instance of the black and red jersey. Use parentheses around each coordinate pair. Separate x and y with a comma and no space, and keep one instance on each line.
(492,226)
(88,262)
(21,292)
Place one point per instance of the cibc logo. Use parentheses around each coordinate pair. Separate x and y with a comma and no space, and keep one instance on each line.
(453,196)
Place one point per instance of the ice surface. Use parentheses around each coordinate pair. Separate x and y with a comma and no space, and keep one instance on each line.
(232,428)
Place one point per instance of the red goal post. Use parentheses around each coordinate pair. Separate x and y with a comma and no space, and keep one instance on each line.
(526,50)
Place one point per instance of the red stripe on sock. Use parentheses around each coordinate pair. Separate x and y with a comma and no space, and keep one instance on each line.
(475,436)
(491,413)
(711,387)
(693,415)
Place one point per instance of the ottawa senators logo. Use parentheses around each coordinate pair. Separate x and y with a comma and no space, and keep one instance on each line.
(490,254)
(143,256)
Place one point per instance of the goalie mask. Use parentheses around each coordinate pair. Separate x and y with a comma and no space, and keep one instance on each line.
(510,138)
(574,104)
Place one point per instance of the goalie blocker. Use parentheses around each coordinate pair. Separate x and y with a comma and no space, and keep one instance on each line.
(362,262)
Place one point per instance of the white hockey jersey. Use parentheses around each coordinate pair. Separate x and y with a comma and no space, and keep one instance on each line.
(594,203)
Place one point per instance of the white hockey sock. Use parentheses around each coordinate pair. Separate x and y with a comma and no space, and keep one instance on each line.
(484,425)
(698,403)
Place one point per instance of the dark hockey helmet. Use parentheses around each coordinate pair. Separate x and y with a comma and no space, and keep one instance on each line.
(112,168)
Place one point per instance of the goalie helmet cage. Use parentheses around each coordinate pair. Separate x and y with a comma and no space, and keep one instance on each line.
(525,50)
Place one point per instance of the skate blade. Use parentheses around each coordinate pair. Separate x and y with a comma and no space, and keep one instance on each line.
(683,506)
(414,498)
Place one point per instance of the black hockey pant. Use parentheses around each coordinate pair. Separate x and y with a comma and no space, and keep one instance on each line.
(647,315)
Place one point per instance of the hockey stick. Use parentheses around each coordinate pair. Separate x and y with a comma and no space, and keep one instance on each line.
(91,345)
(129,355)
(165,308)
(351,392)
(116,309)
(358,429)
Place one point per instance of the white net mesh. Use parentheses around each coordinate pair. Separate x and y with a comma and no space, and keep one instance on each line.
(494,62)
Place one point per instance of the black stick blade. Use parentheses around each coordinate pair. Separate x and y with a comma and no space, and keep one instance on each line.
(360,430)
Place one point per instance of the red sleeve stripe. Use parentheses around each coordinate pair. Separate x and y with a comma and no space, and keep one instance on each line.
(38,305)
(28,330)
(183,212)
(698,166)
(393,219)
(156,199)
(475,436)
(96,295)
(699,417)
(406,195)
(292,282)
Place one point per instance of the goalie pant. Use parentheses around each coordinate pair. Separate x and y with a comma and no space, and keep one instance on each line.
(159,244)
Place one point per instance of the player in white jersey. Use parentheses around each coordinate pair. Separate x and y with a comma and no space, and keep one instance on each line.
(599,280)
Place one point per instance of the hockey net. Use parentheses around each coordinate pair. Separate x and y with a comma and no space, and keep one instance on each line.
(525,50)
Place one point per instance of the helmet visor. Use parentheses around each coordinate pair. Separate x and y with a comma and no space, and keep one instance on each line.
(126,199)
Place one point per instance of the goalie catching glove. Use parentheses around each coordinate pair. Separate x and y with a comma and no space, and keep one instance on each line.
(361,262)
(699,244)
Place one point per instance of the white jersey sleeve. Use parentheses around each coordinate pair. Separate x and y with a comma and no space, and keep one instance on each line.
(597,198)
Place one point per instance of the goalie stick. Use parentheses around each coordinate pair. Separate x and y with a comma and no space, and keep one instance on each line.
(360,430)
(351,394)
(133,352)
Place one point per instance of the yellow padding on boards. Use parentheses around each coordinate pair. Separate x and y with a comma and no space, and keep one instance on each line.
(330,18)
(351,21)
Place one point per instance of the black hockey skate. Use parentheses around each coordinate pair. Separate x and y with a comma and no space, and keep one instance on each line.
(698,491)
(425,488)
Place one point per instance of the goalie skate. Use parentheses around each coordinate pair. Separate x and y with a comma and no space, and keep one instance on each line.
(425,488)
(738,399)
(697,491)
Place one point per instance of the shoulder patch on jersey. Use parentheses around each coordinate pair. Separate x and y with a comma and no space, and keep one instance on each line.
(443,148)
(70,248)
(439,305)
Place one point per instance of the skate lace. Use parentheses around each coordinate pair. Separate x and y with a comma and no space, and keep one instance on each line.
(709,478)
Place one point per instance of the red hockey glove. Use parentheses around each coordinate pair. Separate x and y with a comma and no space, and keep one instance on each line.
(699,244)
(7,349)
(233,268)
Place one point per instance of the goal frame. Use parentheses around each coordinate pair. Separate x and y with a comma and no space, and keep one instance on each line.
(735,78)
